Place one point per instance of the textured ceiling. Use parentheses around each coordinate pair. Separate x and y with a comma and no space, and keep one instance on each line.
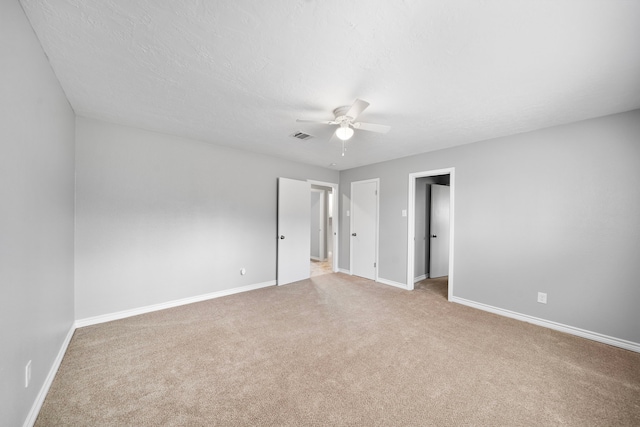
(440,73)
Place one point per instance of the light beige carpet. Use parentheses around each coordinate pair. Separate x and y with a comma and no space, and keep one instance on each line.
(319,268)
(338,350)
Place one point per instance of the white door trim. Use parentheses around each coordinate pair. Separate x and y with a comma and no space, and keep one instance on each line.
(377,261)
(411,223)
(336,219)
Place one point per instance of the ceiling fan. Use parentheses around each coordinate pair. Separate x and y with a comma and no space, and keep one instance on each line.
(345,118)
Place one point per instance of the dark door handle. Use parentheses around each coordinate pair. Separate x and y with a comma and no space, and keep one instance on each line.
(353,234)
(434,236)
(281,237)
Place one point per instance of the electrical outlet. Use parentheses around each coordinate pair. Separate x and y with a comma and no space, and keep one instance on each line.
(542,297)
(27,374)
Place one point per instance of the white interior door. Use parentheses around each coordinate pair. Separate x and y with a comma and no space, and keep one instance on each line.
(439,237)
(364,228)
(294,210)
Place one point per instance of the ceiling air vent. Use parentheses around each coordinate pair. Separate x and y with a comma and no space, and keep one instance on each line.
(301,135)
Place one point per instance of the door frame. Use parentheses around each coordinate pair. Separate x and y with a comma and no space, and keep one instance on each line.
(411,223)
(377,261)
(322,219)
(335,223)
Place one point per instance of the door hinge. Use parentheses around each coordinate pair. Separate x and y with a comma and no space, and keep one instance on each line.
(376,192)
(374,265)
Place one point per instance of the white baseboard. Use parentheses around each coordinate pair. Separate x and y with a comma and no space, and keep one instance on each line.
(37,404)
(617,342)
(392,283)
(169,304)
(419,278)
(342,270)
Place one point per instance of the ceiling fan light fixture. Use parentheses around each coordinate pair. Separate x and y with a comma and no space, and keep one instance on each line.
(344,132)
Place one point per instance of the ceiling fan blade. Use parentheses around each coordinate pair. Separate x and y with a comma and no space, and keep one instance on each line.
(324,122)
(372,127)
(357,108)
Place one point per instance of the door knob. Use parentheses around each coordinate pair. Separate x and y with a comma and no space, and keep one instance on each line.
(281,237)
(353,234)
(434,236)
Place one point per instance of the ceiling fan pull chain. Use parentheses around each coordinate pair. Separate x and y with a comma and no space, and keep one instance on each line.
(344,147)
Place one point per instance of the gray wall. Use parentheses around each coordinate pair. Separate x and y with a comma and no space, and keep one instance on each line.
(36,218)
(160,218)
(554,210)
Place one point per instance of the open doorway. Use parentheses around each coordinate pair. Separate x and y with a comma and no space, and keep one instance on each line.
(430,231)
(323,241)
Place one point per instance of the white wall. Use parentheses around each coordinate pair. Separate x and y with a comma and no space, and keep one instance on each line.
(554,210)
(36,217)
(161,218)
